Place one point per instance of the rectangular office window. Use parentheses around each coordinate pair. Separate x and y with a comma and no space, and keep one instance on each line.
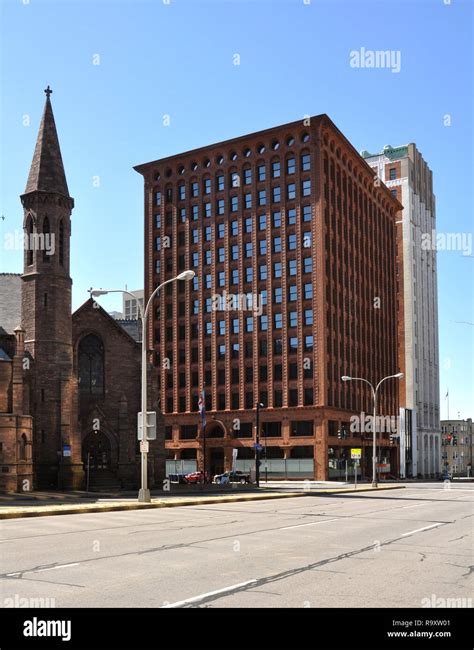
(195,189)
(306,213)
(207,210)
(235,252)
(262,222)
(235,325)
(308,342)
(263,322)
(276,194)
(308,291)
(308,316)
(277,270)
(278,294)
(291,191)
(248,274)
(278,319)
(291,216)
(293,343)
(158,243)
(182,215)
(235,350)
(262,197)
(248,249)
(290,166)
(220,182)
(291,267)
(196,306)
(307,265)
(221,352)
(263,297)
(292,319)
(208,328)
(262,245)
(235,276)
(277,244)
(158,199)
(305,162)
(220,206)
(208,233)
(261,173)
(221,325)
(157,221)
(207,186)
(276,169)
(292,293)
(263,272)
(221,279)
(195,236)
(306,188)
(234,203)
(208,257)
(247,176)
(234,228)
(248,224)
(276,219)
(292,242)
(208,281)
(249,324)
(181,192)
(221,254)
(195,212)
(220,230)
(248,200)
(392,173)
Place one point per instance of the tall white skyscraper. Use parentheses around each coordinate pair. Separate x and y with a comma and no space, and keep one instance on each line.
(409,178)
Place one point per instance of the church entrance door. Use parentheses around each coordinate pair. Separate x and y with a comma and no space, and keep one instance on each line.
(96,451)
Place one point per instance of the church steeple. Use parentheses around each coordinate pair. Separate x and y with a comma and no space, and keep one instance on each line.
(47,170)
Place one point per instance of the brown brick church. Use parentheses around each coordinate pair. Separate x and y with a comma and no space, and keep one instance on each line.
(69,383)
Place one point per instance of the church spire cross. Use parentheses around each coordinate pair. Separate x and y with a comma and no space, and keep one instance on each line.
(48,91)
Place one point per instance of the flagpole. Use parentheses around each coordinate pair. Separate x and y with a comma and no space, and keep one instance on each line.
(447,397)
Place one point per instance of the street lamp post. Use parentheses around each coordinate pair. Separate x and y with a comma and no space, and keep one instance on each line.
(144,493)
(257,443)
(399,375)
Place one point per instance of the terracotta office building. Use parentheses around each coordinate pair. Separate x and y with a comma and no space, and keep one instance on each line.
(295,253)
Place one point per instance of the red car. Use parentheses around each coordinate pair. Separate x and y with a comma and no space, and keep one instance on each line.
(196,477)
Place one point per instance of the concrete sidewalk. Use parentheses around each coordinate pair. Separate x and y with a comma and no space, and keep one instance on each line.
(105,504)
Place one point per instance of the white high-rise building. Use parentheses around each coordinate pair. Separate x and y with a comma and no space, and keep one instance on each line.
(410,179)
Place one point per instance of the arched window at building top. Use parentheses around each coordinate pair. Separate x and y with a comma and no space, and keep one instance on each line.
(91,365)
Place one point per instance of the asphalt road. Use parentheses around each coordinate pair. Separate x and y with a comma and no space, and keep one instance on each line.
(390,549)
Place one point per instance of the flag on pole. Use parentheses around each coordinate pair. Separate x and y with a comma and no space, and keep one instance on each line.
(202,407)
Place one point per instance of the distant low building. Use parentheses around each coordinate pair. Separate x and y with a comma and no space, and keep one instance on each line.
(456,446)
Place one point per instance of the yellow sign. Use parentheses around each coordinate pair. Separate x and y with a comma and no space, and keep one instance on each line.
(356,453)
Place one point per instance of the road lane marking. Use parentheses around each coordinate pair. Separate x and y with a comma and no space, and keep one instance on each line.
(419,530)
(417,505)
(312,523)
(50,568)
(209,593)
(60,566)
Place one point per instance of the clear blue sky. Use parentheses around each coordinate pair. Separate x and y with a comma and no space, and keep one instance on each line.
(176,59)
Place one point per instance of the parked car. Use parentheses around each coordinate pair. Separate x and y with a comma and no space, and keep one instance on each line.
(232,477)
(177,478)
(196,477)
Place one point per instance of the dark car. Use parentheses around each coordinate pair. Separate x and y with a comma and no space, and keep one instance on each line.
(177,478)
(232,477)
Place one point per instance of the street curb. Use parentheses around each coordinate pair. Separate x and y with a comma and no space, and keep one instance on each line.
(50,511)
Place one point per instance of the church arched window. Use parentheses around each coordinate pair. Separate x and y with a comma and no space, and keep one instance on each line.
(30,243)
(22,448)
(46,243)
(61,242)
(91,365)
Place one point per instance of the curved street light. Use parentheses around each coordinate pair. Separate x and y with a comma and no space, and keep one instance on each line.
(144,493)
(398,375)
